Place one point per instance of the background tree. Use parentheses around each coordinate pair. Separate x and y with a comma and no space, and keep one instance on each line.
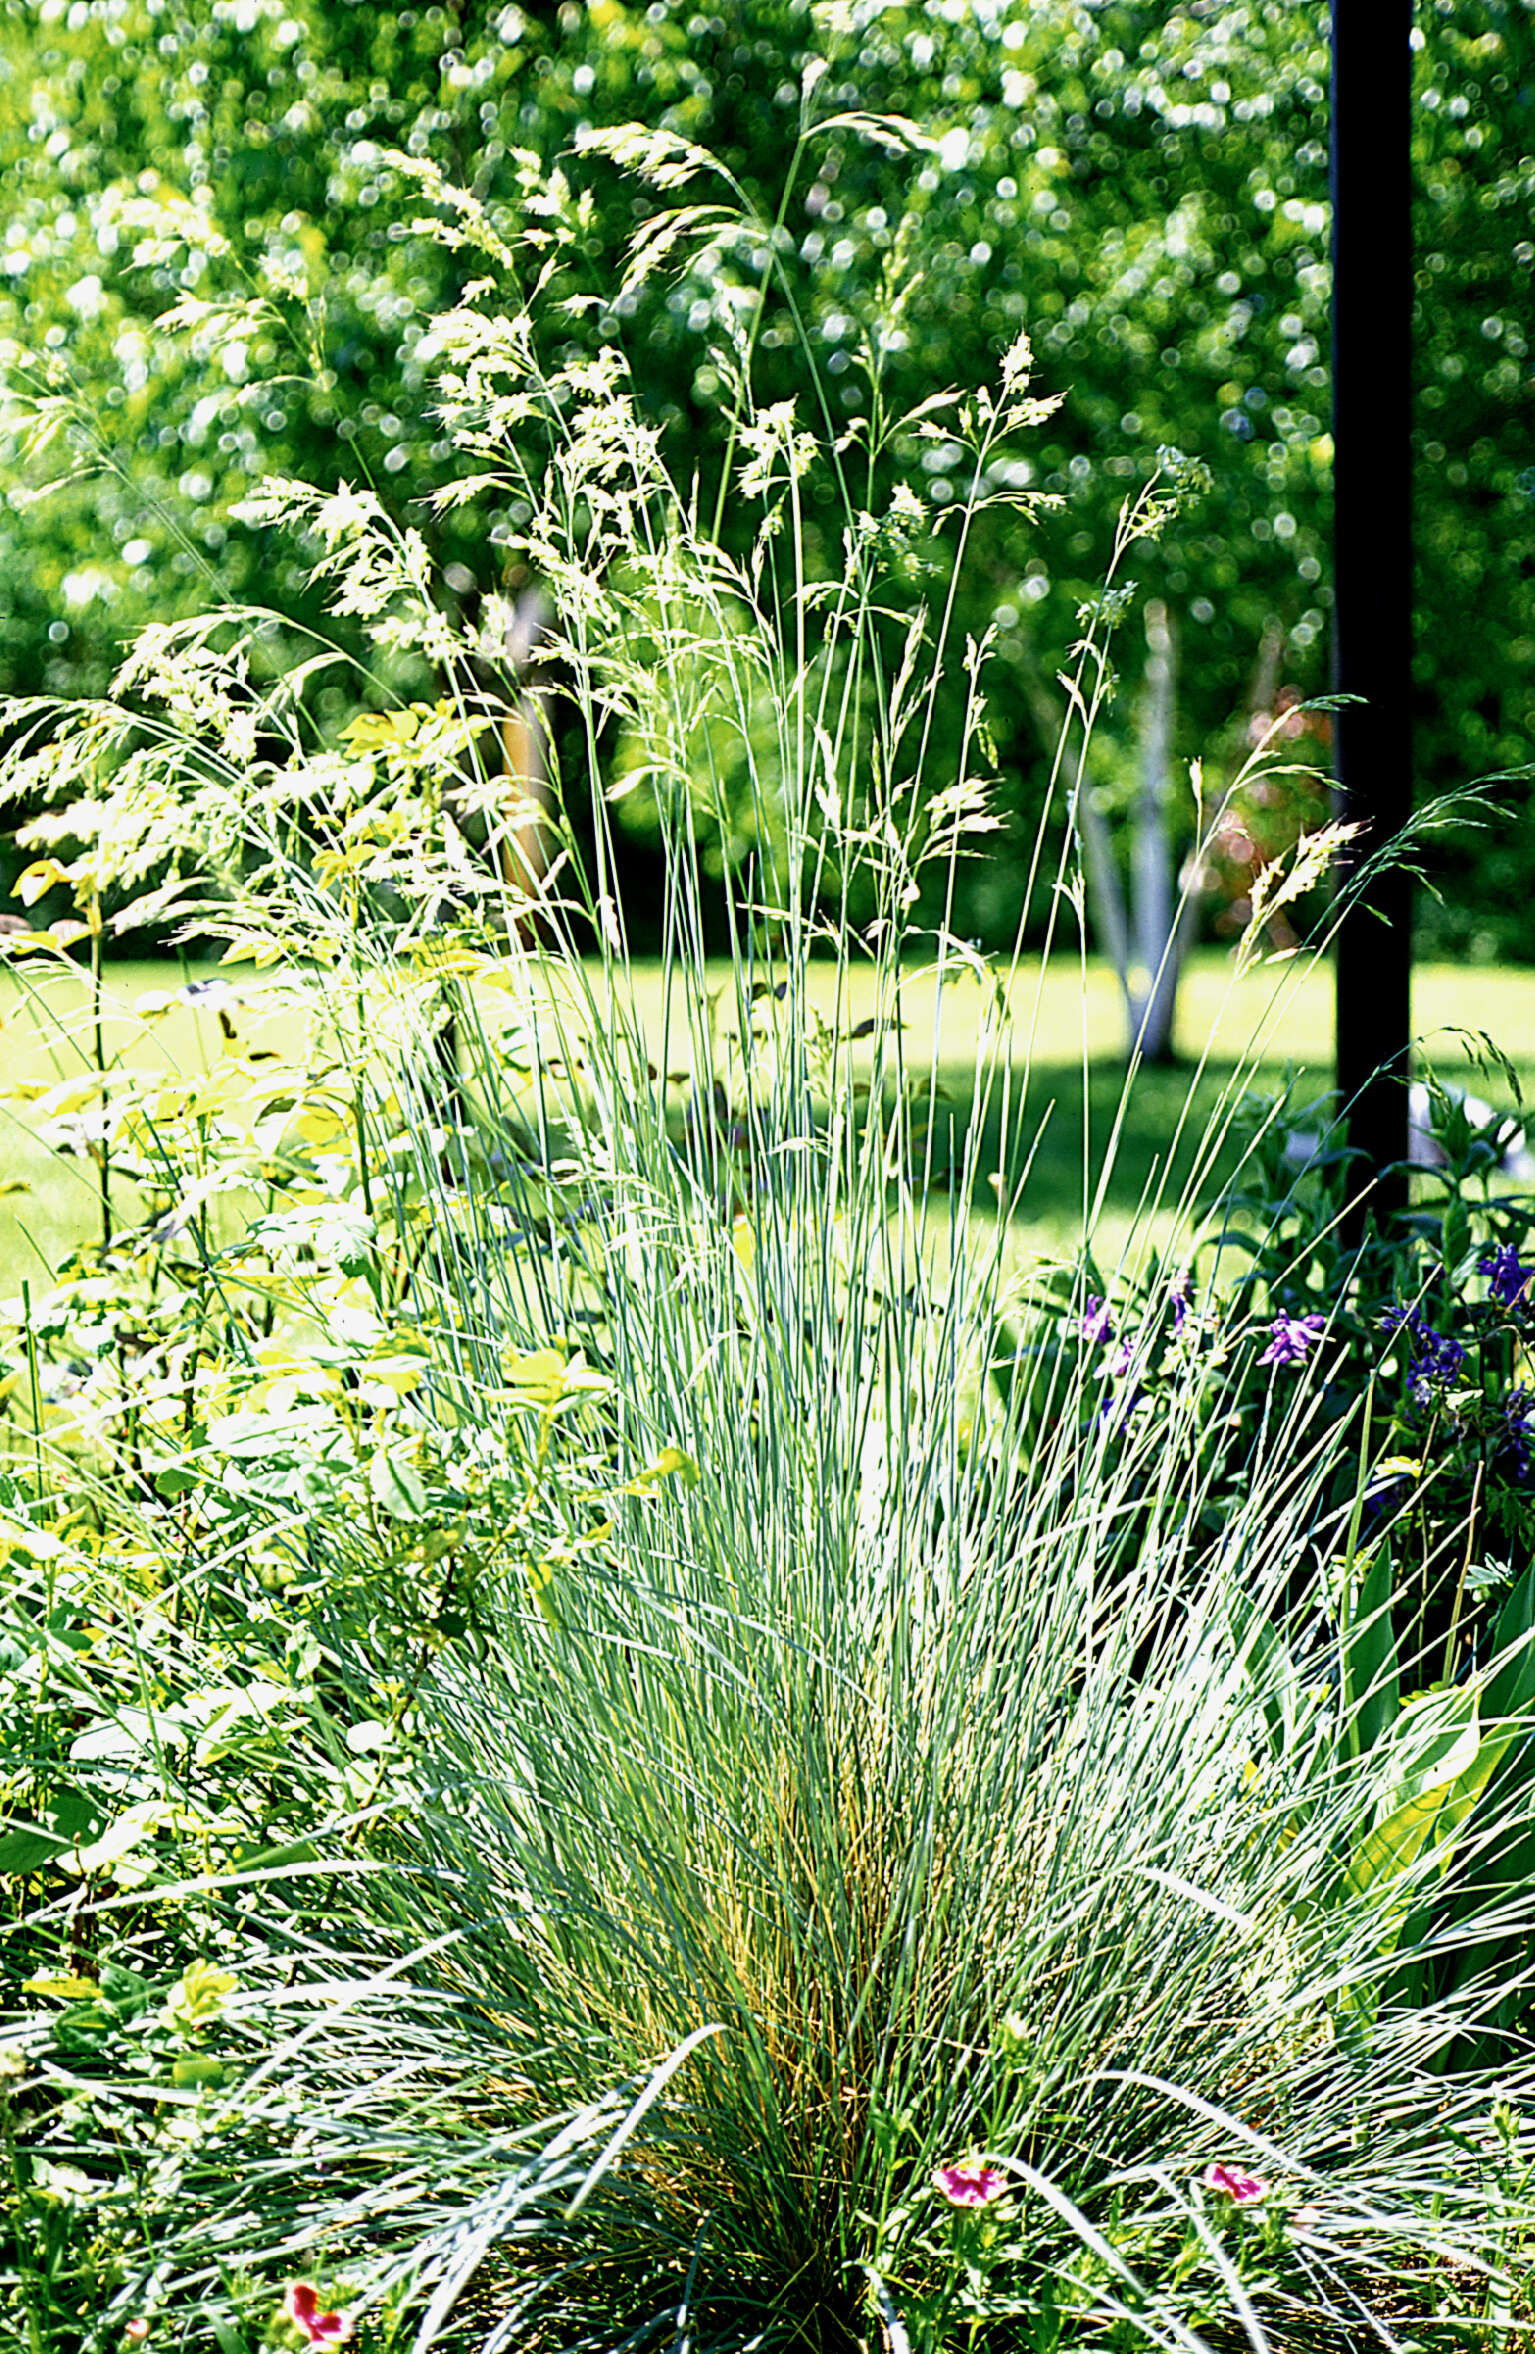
(1144,190)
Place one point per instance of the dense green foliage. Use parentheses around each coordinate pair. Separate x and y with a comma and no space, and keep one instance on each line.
(611,1732)
(1143,189)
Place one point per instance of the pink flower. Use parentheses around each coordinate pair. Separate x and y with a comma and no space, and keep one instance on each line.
(302,2304)
(136,2330)
(970,2184)
(1243,2190)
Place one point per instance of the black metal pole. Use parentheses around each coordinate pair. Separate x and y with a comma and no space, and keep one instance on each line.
(1372,569)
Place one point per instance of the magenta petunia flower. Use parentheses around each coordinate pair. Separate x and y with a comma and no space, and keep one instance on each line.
(970,2184)
(302,2305)
(1235,2184)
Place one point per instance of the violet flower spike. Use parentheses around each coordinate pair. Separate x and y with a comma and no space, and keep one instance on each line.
(1097,1323)
(1440,1361)
(1519,1429)
(1396,1318)
(1292,1338)
(1508,1278)
(1118,1407)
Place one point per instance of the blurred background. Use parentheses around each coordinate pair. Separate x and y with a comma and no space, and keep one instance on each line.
(1143,189)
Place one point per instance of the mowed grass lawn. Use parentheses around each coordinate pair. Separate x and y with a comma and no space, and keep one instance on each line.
(1065,1032)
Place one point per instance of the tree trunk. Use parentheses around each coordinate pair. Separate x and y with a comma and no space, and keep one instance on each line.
(1160,936)
(1105,896)
(522,842)
(1146,943)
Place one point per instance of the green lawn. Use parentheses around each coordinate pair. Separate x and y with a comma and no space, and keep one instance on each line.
(1066,1032)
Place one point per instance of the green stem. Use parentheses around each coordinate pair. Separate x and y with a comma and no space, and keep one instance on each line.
(26,2272)
(104,1157)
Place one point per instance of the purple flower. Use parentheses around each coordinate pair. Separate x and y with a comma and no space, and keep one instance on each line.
(1178,1298)
(1438,1360)
(1118,1407)
(1396,1318)
(1292,1338)
(1508,1278)
(1386,1485)
(1097,1323)
(1519,1429)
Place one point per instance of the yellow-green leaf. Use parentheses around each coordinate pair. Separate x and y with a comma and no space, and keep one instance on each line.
(194,2071)
(39,878)
(199,1994)
(1446,1764)
(671,1463)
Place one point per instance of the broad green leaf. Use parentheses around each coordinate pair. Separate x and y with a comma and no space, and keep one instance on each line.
(1511,1691)
(36,880)
(1371,1691)
(1271,1673)
(130,1830)
(397,1486)
(22,1537)
(1444,1757)
(199,1994)
(548,1379)
(25,1852)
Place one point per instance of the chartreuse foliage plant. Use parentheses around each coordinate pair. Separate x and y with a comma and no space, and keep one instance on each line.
(615,1738)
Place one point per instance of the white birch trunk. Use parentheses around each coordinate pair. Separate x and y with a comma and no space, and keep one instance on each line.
(522,847)
(1159,936)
